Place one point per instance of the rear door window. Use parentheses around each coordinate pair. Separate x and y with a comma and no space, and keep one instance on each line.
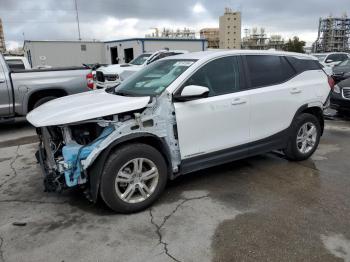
(266,70)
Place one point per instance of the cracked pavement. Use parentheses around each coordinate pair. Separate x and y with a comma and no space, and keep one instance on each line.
(259,209)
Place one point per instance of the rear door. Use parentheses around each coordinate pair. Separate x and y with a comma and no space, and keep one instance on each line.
(274,99)
(5,103)
(221,120)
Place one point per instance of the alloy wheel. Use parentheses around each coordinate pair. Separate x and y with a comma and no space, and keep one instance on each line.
(306,137)
(136,180)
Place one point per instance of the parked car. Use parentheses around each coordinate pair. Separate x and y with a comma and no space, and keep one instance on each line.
(341,71)
(329,60)
(178,115)
(340,98)
(113,74)
(17,62)
(24,90)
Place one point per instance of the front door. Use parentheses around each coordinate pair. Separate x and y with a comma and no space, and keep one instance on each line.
(221,120)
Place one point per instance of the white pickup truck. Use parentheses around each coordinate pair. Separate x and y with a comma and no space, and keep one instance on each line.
(113,74)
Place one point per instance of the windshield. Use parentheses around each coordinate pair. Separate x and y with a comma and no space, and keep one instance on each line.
(320,57)
(345,63)
(140,59)
(153,79)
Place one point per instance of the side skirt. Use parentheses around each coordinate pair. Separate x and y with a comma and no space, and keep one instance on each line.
(274,142)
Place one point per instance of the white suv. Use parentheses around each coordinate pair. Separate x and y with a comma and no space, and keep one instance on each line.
(179,115)
(112,75)
(329,60)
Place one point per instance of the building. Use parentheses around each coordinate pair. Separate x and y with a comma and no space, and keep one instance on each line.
(212,36)
(2,39)
(64,53)
(258,40)
(230,30)
(76,53)
(185,33)
(333,35)
(122,51)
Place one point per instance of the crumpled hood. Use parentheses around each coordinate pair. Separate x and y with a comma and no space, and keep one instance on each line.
(83,106)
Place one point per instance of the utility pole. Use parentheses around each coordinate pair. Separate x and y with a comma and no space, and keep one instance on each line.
(76,11)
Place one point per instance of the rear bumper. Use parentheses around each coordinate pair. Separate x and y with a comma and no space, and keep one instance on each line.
(338,102)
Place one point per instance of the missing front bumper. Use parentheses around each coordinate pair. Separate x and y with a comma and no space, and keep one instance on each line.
(53,181)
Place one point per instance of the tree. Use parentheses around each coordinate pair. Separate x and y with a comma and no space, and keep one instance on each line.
(294,45)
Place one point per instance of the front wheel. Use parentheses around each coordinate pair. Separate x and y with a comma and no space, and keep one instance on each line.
(133,178)
(305,137)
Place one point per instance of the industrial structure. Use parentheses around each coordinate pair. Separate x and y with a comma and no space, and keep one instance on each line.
(212,36)
(333,34)
(230,30)
(2,38)
(185,33)
(258,40)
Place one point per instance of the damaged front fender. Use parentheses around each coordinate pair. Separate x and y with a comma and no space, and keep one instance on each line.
(74,153)
(95,170)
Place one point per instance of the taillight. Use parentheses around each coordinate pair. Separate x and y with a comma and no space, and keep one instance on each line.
(90,80)
(331,82)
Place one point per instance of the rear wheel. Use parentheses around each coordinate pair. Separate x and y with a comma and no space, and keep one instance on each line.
(133,178)
(303,142)
(43,101)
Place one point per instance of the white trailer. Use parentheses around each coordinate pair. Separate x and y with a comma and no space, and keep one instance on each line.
(123,51)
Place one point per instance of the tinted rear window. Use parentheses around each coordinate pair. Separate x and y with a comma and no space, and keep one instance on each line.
(301,65)
(268,70)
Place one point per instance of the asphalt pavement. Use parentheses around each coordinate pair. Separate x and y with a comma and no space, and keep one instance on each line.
(264,208)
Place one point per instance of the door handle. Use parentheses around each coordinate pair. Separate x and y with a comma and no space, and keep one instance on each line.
(238,101)
(2,81)
(295,91)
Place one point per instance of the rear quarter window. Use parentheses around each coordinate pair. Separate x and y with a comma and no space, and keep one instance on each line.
(265,70)
(301,65)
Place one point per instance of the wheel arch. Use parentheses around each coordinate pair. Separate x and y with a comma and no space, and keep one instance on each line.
(35,96)
(313,110)
(96,168)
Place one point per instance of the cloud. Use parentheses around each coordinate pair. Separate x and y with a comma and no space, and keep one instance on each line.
(198,8)
(113,19)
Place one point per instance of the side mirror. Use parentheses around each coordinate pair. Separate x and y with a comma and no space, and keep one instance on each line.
(329,61)
(192,92)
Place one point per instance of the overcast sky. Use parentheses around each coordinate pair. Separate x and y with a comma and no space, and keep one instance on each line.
(116,19)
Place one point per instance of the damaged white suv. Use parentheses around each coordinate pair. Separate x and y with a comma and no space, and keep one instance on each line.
(179,115)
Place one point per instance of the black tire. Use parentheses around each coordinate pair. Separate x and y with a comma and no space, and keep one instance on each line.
(292,152)
(43,101)
(116,161)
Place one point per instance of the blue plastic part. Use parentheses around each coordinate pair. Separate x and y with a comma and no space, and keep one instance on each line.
(73,153)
